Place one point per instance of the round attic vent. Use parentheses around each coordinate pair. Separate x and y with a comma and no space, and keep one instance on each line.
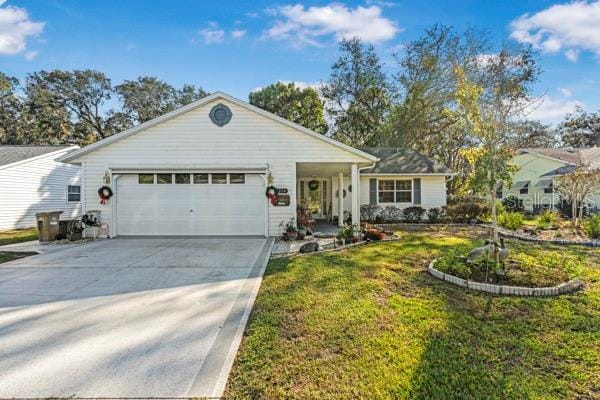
(220,115)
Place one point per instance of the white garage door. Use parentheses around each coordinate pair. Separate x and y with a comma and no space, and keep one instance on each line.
(191,204)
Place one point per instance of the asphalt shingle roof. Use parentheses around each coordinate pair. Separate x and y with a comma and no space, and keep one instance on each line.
(12,153)
(403,161)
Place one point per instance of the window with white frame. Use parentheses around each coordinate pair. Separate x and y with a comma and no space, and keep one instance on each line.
(395,190)
(73,193)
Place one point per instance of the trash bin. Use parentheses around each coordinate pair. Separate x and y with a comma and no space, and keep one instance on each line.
(48,225)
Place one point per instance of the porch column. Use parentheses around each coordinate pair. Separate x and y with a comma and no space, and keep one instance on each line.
(355,196)
(340,199)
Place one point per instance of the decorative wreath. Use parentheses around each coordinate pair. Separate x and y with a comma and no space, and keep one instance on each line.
(271,194)
(350,188)
(313,185)
(337,193)
(105,193)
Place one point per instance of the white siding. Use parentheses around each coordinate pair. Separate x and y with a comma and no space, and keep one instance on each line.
(36,186)
(191,139)
(433,190)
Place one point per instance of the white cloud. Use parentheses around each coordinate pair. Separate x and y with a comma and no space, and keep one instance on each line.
(30,55)
(305,26)
(569,28)
(15,29)
(550,110)
(212,35)
(238,33)
(565,92)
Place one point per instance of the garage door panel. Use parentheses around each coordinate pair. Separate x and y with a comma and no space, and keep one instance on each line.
(190,209)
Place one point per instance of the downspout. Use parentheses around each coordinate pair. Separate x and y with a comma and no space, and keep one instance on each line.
(357,190)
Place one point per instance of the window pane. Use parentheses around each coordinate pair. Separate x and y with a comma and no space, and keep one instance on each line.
(386,185)
(219,178)
(164,178)
(386,197)
(145,178)
(200,178)
(524,191)
(403,197)
(237,178)
(404,185)
(182,178)
(73,193)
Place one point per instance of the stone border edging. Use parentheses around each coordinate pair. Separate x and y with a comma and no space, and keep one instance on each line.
(564,288)
(347,246)
(528,238)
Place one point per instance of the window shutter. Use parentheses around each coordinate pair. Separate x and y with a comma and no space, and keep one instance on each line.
(373,191)
(417,191)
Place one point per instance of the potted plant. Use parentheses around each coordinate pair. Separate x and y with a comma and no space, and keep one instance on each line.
(346,234)
(290,229)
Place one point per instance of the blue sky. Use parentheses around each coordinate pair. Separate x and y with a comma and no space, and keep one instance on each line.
(237,46)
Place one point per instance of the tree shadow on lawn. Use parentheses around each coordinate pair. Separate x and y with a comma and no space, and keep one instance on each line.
(370,322)
(493,347)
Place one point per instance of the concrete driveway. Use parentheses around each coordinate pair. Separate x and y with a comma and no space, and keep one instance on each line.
(127,317)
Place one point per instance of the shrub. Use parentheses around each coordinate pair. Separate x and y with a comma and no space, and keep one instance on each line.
(512,203)
(453,264)
(546,219)
(370,212)
(592,226)
(413,214)
(435,215)
(466,208)
(391,213)
(511,220)
(374,234)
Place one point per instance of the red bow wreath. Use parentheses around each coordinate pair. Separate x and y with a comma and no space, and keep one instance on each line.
(271,193)
(104,193)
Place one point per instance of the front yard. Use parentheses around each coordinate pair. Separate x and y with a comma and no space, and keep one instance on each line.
(18,236)
(371,323)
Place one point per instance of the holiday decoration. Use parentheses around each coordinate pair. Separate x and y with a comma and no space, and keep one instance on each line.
(104,193)
(313,185)
(337,193)
(271,194)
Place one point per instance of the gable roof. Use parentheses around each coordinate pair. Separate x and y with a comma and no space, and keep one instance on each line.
(570,156)
(393,160)
(10,154)
(199,103)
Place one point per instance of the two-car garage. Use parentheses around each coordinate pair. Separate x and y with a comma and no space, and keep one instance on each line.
(182,203)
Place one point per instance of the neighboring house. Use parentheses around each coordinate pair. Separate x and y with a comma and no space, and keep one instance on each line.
(203,170)
(533,183)
(32,181)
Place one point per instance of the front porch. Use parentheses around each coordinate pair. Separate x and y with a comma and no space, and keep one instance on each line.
(318,192)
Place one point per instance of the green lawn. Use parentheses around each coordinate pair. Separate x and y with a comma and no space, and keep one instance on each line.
(18,236)
(370,322)
(6,256)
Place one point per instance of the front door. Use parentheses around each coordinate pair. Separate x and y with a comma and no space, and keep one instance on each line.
(313,194)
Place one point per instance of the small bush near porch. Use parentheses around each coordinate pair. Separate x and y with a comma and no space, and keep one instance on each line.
(370,322)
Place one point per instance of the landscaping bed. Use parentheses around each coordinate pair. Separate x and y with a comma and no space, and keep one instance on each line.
(370,322)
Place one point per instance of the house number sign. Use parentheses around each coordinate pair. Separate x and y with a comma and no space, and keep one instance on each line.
(282,200)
